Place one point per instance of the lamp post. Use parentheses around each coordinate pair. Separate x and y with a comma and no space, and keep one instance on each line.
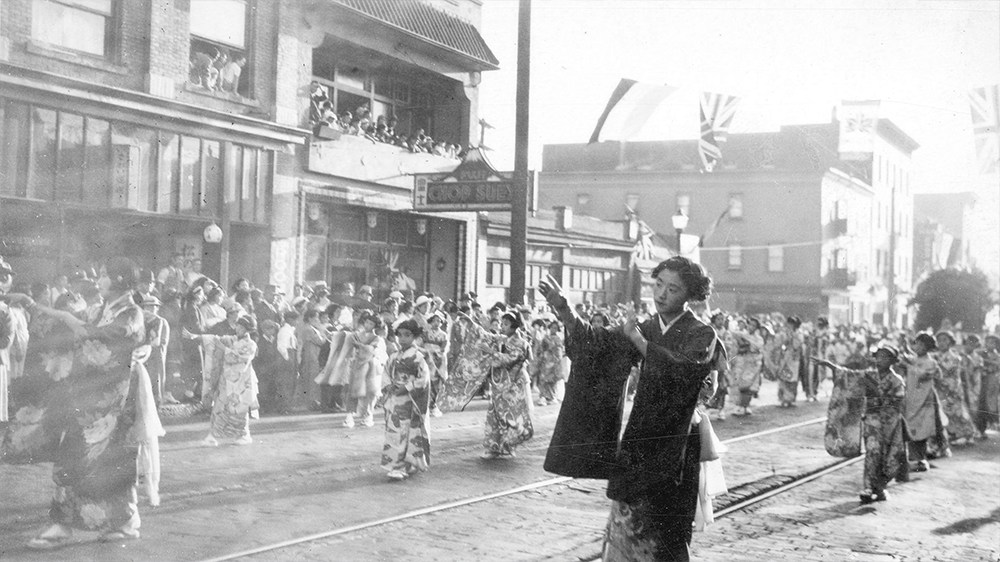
(680,222)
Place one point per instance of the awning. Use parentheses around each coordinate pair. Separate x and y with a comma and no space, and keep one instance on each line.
(429,24)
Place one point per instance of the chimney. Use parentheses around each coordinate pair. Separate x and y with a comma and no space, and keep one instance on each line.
(564,217)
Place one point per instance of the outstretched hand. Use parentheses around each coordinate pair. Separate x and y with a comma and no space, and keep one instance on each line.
(824,362)
(549,288)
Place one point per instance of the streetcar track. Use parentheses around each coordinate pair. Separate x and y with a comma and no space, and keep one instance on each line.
(742,504)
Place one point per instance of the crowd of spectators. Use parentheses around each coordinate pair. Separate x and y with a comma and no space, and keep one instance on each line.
(380,129)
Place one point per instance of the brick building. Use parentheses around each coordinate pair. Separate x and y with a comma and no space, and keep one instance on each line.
(801,229)
(128,127)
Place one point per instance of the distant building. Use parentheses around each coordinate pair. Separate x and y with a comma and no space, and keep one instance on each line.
(802,229)
(942,231)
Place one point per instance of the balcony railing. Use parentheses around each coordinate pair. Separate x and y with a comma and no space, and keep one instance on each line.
(840,278)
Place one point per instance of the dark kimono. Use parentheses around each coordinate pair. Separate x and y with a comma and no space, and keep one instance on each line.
(83,415)
(653,475)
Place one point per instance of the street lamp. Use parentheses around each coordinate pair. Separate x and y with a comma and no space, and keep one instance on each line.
(680,222)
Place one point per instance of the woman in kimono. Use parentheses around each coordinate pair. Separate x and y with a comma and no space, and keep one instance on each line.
(924,418)
(745,365)
(193,321)
(406,398)
(653,472)
(951,390)
(436,347)
(972,378)
(885,448)
(88,416)
(364,360)
(786,361)
(549,359)
(508,417)
(989,399)
(232,383)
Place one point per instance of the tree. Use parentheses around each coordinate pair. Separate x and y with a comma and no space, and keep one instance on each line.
(961,296)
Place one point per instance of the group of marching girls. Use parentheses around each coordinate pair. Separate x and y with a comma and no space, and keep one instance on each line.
(920,399)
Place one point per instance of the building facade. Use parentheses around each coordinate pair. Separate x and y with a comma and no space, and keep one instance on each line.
(131,126)
(784,223)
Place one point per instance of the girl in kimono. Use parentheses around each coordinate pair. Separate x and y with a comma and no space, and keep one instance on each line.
(989,399)
(952,391)
(232,383)
(87,416)
(551,351)
(365,358)
(508,417)
(745,365)
(786,361)
(922,407)
(885,450)
(406,398)
(436,348)
(972,378)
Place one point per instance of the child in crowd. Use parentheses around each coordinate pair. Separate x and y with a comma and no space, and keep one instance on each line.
(406,400)
(365,358)
(435,346)
(883,390)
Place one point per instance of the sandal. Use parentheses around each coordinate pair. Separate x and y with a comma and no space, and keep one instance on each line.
(119,535)
(48,543)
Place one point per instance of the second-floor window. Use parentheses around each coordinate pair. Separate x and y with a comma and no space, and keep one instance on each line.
(78,25)
(219,46)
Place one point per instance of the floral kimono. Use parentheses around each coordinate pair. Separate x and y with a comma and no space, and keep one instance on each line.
(745,365)
(549,364)
(885,446)
(972,382)
(406,400)
(952,393)
(435,346)
(785,359)
(989,399)
(81,409)
(232,383)
(466,372)
(508,417)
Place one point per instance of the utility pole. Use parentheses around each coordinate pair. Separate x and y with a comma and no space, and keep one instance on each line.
(519,205)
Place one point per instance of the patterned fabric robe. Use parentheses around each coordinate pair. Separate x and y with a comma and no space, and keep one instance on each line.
(549,364)
(467,373)
(745,365)
(972,379)
(885,446)
(952,393)
(989,399)
(80,410)
(508,417)
(407,412)
(922,404)
(232,384)
(785,359)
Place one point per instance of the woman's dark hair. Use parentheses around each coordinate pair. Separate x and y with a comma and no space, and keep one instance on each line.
(124,274)
(406,307)
(333,311)
(602,316)
(368,316)
(411,326)
(215,292)
(695,278)
(310,314)
(248,322)
(290,316)
(927,340)
(794,321)
(236,284)
(755,321)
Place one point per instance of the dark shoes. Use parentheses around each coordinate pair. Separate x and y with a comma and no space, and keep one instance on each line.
(868,497)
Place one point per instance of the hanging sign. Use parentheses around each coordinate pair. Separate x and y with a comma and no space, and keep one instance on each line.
(472,186)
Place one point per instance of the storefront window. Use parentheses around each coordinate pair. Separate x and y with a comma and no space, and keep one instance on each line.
(43,154)
(129,138)
(69,175)
(167,190)
(97,161)
(190,180)
(13,147)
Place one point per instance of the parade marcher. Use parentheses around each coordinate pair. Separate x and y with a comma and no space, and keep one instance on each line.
(654,479)
(435,344)
(90,418)
(193,321)
(362,357)
(786,360)
(6,338)
(717,404)
(951,390)
(745,364)
(989,398)
(924,417)
(818,342)
(884,394)
(232,384)
(406,399)
(972,377)
(311,336)
(549,358)
(508,417)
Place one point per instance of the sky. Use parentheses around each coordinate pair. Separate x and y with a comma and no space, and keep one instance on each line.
(790,62)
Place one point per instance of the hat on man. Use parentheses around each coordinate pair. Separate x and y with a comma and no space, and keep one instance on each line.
(948,333)
(421,300)
(396,295)
(890,349)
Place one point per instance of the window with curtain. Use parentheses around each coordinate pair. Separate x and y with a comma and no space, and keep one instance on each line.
(79,25)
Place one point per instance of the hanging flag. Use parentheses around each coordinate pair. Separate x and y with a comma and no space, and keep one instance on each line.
(717,111)
(630,106)
(985,104)
(712,227)
(858,120)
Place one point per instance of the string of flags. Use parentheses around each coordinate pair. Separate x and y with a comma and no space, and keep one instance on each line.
(632,103)
(985,104)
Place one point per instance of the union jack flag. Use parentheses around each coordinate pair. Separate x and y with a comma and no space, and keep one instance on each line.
(717,111)
(985,104)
